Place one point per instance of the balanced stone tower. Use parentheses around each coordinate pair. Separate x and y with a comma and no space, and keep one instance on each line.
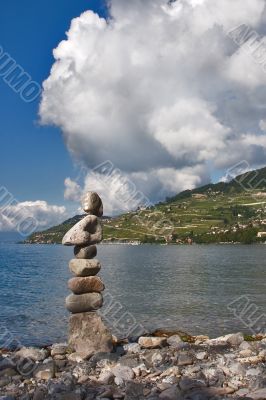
(87,332)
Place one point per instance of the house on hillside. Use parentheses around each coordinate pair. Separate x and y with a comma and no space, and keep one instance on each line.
(261,234)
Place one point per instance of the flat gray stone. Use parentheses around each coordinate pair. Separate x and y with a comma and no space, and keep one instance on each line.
(84,302)
(88,334)
(85,253)
(86,232)
(83,268)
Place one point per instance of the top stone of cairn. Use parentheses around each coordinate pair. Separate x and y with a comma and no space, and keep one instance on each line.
(92,204)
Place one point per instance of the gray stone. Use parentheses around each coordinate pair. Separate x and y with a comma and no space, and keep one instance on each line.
(77,357)
(69,396)
(4,381)
(32,353)
(201,355)
(157,359)
(171,393)
(236,368)
(66,383)
(40,394)
(174,340)
(133,348)
(45,371)
(103,358)
(129,360)
(170,379)
(253,372)
(122,373)
(86,232)
(206,393)
(87,284)
(259,394)
(245,346)
(185,359)
(92,204)
(214,376)
(84,302)
(88,334)
(188,383)
(6,363)
(235,339)
(8,372)
(151,342)
(59,349)
(83,268)
(134,391)
(106,377)
(241,392)
(85,253)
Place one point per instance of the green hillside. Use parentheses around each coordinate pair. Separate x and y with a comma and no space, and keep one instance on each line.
(214,213)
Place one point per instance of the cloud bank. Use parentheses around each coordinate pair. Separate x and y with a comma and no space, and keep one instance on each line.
(28,216)
(162,90)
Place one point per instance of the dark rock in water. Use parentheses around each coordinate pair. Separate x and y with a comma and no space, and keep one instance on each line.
(84,302)
(88,284)
(86,232)
(88,334)
(83,268)
(85,253)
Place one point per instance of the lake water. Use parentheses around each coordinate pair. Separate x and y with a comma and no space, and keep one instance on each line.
(185,287)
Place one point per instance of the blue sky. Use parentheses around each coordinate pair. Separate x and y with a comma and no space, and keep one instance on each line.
(161,89)
(34,160)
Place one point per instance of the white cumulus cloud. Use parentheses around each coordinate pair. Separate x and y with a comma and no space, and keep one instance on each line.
(160,89)
(73,190)
(29,216)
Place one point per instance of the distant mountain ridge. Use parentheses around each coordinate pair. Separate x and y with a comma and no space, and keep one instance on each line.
(248,181)
(220,212)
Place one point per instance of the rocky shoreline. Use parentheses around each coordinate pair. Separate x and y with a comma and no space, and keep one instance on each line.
(166,367)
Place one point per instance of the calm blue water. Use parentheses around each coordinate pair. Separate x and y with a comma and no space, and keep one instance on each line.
(185,287)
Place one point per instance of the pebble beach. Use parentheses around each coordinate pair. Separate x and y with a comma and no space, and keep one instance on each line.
(165,367)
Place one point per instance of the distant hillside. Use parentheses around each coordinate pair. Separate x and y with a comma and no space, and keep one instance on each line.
(248,181)
(214,213)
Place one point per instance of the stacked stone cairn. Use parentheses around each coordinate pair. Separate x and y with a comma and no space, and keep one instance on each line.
(87,332)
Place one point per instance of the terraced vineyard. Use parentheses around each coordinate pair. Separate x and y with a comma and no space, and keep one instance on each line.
(223,212)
